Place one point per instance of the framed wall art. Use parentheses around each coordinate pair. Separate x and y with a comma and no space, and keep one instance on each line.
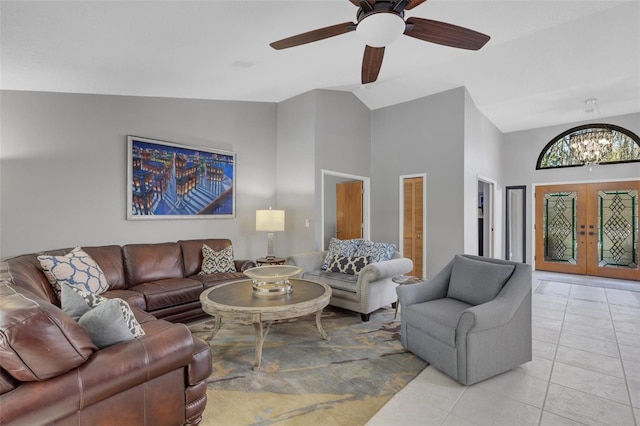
(166,180)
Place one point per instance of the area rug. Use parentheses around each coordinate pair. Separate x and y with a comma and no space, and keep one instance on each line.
(305,380)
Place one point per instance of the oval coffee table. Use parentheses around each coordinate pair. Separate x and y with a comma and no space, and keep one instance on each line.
(236,301)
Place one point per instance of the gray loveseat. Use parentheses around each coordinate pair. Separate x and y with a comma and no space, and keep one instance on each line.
(472,320)
(366,292)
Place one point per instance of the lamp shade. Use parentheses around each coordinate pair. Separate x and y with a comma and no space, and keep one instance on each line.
(270,220)
(380,29)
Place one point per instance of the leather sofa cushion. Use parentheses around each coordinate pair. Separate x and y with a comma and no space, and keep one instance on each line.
(133,298)
(152,262)
(219,278)
(192,252)
(37,340)
(7,382)
(25,272)
(110,260)
(170,292)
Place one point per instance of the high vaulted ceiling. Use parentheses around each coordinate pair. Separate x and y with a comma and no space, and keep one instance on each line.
(544,59)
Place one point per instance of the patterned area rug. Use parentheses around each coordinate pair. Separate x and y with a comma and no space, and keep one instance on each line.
(305,380)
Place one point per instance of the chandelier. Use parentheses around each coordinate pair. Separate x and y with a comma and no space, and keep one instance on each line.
(590,147)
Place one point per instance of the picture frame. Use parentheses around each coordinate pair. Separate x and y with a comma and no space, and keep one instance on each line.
(167,180)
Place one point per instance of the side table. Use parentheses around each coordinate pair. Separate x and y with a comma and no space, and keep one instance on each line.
(402,280)
(270,261)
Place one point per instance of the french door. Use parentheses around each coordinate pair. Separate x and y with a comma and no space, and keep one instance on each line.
(588,229)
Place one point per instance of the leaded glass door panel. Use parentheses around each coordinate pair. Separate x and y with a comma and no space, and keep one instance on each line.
(588,229)
(612,233)
(560,229)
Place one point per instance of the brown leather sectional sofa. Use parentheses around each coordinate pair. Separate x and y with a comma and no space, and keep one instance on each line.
(50,371)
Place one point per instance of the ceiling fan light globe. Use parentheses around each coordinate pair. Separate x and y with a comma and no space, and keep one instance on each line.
(380,29)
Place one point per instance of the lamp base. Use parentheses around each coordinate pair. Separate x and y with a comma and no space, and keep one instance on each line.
(270,250)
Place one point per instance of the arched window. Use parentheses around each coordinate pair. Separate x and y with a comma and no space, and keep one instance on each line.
(568,148)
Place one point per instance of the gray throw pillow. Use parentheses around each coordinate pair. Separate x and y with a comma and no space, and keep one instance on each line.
(476,282)
(72,303)
(110,322)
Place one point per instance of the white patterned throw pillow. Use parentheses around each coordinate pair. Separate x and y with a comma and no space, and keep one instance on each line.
(376,252)
(214,262)
(339,247)
(77,269)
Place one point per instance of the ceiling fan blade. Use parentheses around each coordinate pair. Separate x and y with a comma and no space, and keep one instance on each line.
(357,2)
(445,34)
(315,35)
(414,3)
(371,63)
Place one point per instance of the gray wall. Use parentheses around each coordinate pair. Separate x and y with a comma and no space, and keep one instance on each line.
(421,136)
(483,159)
(64,168)
(522,150)
(296,173)
(317,130)
(63,172)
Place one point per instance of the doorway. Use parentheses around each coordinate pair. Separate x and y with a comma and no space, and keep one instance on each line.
(413,221)
(588,229)
(349,210)
(328,204)
(485,216)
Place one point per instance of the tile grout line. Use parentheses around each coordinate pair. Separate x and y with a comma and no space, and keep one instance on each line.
(553,361)
(624,372)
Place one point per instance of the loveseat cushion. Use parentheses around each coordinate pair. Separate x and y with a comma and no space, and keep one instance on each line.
(169,292)
(37,340)
(335,280)
(476,282)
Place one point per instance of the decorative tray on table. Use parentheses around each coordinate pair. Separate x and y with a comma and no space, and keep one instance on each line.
(272,280)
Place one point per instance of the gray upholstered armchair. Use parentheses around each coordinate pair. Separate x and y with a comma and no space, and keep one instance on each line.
(472,320)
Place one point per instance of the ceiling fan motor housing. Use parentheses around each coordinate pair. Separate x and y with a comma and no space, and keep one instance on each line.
(381,23)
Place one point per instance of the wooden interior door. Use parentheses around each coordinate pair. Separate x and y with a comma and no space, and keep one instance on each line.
(349,210)
(413,223)
(588,229)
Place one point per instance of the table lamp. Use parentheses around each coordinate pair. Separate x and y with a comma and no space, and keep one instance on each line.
(270,221)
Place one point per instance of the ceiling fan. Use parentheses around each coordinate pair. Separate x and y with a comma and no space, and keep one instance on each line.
(380,22)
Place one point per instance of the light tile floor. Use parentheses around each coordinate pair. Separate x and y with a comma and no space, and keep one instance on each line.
(585,367)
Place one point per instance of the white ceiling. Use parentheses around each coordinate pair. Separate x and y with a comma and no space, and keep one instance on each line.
(545,57)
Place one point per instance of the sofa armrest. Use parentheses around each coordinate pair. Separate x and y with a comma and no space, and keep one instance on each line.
(310,261)
(165,347)
(385,269)
(502,308)
(243,265)
(434,288)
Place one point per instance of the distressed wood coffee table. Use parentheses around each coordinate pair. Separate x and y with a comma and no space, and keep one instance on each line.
(237,301)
